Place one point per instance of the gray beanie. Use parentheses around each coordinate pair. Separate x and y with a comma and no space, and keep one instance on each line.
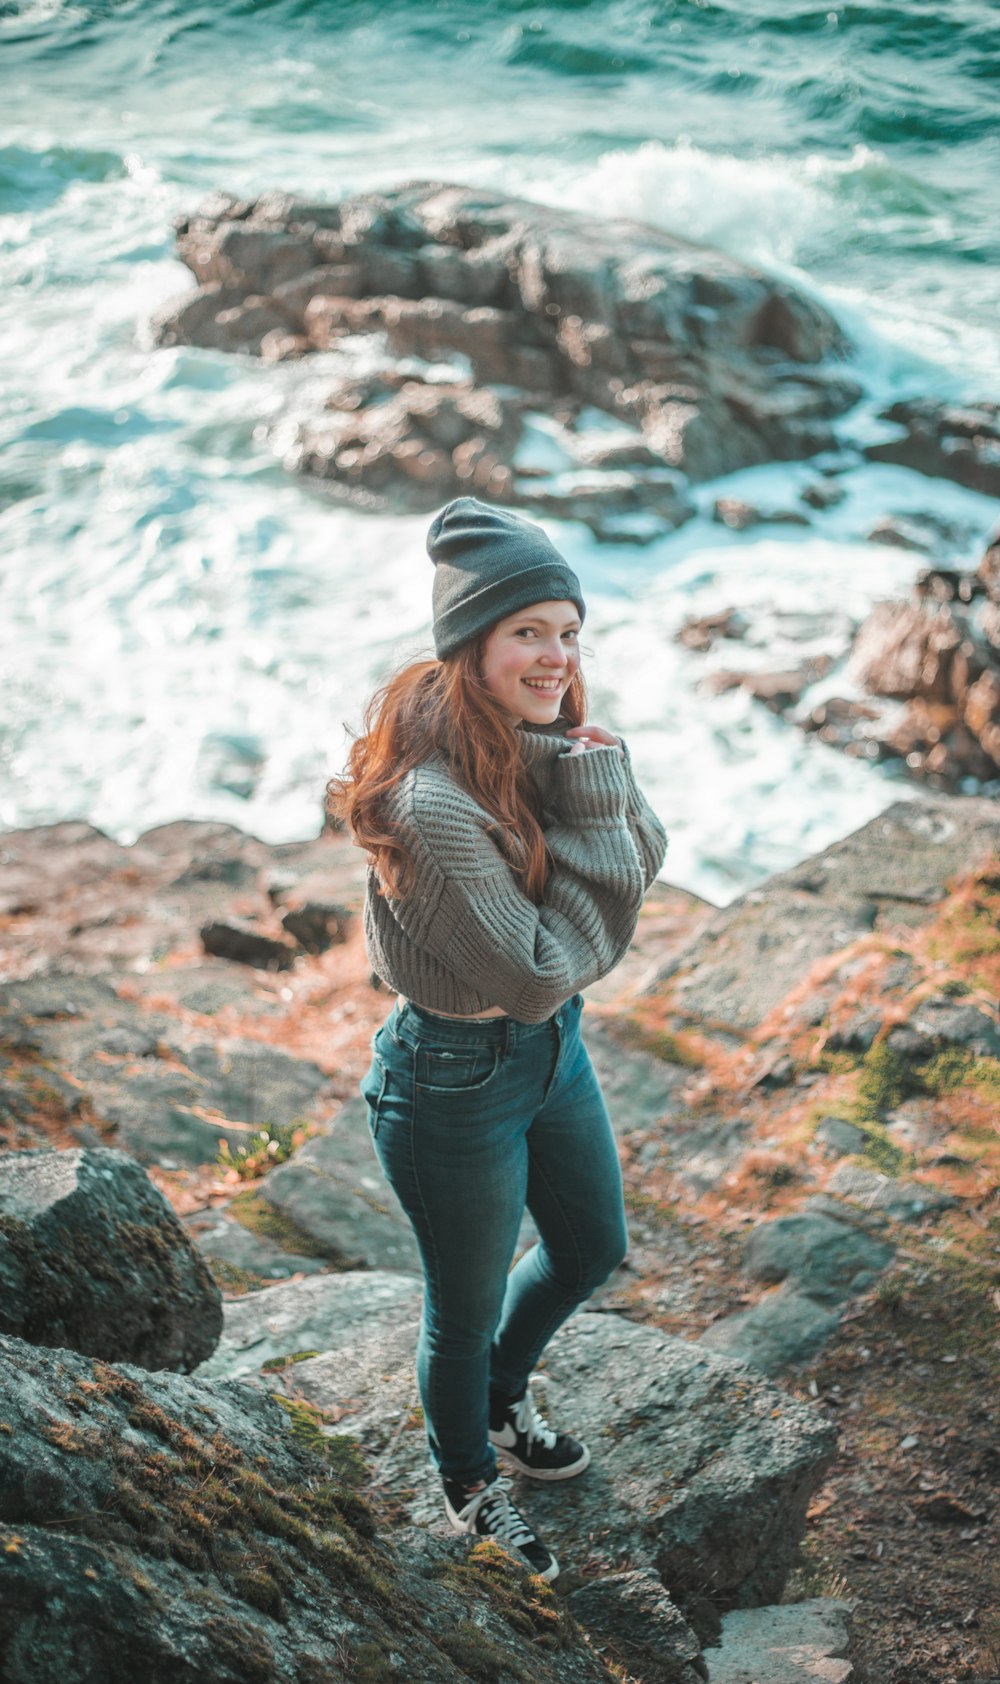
(488,564)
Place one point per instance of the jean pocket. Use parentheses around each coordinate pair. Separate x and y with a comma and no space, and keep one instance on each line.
(372,1086)
(455,1069)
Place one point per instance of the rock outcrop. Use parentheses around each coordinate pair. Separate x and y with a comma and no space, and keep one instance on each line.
(946,440)
(703,1470)
(756,950)
(939,655)
(511,309)
(172,1529)
(929,668)
(93,1257)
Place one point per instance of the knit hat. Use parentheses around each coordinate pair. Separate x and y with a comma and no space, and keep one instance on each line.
(488,564)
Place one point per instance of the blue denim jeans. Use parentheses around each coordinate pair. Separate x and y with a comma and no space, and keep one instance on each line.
(472,1121)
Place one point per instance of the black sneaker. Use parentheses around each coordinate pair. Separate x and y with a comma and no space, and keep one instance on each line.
(528,1443)
(489,1513)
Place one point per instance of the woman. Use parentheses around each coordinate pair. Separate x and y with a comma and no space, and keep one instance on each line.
(509,850)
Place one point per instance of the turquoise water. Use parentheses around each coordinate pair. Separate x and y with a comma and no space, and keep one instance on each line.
(187,630)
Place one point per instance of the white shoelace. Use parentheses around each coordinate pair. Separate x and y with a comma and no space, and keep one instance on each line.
(500,1517)
(528,1421)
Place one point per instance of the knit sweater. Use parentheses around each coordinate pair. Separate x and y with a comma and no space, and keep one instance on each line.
(467,936)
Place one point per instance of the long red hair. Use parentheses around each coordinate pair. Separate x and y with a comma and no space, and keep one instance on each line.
(444,705)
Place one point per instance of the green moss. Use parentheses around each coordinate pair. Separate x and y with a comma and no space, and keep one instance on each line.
(371,1665)
(260,1590)
(241,1648)
(883,1153)
(956,1068)
(672,1049)
(521,1598)
(275,1363)
(838,1063)
(256,1213)
(233,1280)
(882,1085)
(476,1653)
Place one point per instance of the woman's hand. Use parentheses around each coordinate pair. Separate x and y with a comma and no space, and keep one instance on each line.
(591,736)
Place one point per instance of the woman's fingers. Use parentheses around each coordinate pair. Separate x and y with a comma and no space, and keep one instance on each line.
(592,736)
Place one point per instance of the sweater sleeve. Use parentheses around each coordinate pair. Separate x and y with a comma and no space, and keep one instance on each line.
(648,833)
(468,909)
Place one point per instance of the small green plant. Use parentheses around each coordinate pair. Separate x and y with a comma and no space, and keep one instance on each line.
(882,1084)
(264,1148)
(274,1364)
(889,1292)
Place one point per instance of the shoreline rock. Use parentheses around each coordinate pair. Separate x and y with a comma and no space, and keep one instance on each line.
(702,364)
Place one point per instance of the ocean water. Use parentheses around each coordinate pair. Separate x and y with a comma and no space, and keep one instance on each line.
(188,631)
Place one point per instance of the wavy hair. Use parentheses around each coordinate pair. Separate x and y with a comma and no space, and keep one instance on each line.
(444,706)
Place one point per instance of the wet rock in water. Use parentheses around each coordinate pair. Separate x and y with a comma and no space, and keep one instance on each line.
(924,532)
(779,691)
(825,494)
(711,365)
(828,1261)
(795,1643)
(775,1334)
(239,939)
(907,649)
(938,654)
(948,441)
(160,1526)
(739,517)
(92,1257)
(702,631)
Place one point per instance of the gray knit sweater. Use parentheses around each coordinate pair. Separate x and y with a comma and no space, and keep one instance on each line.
(467,936)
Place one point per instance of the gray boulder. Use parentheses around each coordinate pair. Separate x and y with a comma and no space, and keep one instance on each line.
(633,1621)
(796,1643)
(828,1261)
(780,1330)
(900,1201)
(92,1257)
(175,1530)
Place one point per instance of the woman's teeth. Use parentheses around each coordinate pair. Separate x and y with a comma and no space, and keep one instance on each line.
(546,685)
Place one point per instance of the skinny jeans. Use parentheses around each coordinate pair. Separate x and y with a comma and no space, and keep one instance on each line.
(471,1122)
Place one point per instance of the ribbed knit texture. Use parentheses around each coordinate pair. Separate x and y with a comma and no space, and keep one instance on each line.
(467,937)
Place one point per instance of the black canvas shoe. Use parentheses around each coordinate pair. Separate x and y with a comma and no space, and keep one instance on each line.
(489,1513)
(528,1443)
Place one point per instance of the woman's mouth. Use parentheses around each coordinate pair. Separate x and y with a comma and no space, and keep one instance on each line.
(544,686)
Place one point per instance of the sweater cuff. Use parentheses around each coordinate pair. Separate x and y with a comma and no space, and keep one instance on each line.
(634,795)
(591,785)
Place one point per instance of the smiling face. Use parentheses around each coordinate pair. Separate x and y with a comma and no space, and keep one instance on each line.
(529,660)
